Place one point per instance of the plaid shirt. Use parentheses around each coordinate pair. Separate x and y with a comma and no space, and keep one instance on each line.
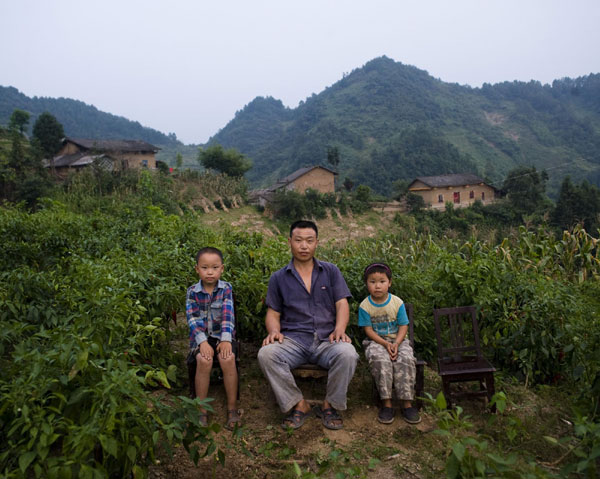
(210,314)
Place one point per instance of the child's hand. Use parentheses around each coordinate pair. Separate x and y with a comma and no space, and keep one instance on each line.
(393,350)
(224,349)
(206,351)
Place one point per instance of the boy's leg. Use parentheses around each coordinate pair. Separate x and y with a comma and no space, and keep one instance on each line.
(277,361)
(202,378)
(405,373)
(340,361)
(382,371)
(230,380)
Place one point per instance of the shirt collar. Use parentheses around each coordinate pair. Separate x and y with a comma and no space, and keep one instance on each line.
(290,265)
(199,289)
(380,305)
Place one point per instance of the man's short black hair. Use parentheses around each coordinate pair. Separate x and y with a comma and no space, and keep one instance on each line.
(304,224)
(208,249)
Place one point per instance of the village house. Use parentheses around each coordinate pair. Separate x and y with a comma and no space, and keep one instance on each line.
(459,189)
(111,155)
(317,178)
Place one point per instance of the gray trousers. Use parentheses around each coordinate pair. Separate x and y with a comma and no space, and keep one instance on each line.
(398,375)
(278,359)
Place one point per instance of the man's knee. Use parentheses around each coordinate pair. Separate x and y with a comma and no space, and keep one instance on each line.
(267,354)
(345,353)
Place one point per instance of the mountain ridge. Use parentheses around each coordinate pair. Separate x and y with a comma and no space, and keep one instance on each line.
(394,121)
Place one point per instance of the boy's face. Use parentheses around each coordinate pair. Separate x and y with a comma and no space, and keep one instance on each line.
(378,285)
(303,244)
(209,268)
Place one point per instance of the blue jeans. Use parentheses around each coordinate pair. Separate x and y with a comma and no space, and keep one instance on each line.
(278,359)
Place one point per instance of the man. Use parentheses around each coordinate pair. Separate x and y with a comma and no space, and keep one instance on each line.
(306,322)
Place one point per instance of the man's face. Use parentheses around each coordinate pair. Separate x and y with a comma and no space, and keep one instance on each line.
(303,244)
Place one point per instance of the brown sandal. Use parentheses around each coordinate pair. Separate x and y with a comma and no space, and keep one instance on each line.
(234,416)
(203,419)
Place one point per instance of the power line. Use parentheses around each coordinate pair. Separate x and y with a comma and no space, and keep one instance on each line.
(545,169)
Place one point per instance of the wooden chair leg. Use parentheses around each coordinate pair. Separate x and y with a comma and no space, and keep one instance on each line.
(419,385)
(192,379)
(491,389)
(375,394)
(446,389)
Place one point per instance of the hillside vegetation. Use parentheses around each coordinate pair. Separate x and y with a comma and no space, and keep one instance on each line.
(392,121)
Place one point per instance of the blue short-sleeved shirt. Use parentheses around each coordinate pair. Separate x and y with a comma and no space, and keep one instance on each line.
(304,313)
(384,318)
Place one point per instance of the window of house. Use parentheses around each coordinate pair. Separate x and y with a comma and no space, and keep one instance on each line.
(440,198)
(472,194)
(482,195)
(457,196)
(145,163)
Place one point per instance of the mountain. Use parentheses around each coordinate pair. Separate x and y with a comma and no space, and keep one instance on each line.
(79,119)
(391,121)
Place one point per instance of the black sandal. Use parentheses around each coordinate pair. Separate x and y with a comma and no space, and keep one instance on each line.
(295,419)
(329,416)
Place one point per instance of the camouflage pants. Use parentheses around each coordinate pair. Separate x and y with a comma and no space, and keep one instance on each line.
(398,375)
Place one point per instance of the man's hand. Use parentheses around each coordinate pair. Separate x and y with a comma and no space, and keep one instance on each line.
(224,349)
(206,351)
(338,336)
(392,350)
(272,337)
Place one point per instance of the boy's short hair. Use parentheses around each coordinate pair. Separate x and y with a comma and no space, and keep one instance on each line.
(377,268)
(209,249)
(304,224)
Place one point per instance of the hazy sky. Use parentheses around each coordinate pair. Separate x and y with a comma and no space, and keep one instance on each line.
(186,66)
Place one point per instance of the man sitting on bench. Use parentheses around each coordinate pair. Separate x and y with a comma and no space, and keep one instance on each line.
(306,321)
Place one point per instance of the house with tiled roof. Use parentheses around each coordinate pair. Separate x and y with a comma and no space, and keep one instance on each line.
(317,178)
(111,155)
(459,189)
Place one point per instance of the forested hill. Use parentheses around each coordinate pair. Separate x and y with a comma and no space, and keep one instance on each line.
(392,121)
(79,119)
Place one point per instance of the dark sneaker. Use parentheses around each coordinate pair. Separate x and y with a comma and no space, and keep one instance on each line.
(386,415)
(411,415)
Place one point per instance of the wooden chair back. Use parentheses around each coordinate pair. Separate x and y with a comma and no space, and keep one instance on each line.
(457,334)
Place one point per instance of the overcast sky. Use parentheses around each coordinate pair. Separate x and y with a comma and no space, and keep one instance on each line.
(186,66)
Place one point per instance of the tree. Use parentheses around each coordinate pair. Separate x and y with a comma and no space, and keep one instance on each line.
(526,189)
(414,202)
(333,156)
(18,120)
(48,133)
(230,162)
(577,203)
(179,161)
(348,184)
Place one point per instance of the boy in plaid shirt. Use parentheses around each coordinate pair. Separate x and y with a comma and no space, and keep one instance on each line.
(210,316)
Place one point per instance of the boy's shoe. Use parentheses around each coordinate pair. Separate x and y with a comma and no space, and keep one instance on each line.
(411,415)
(386,415)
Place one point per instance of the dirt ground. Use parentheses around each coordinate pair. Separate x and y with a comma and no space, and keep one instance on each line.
(397,449)
(332,230)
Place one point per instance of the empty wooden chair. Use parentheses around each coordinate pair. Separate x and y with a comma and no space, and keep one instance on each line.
(459,353)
